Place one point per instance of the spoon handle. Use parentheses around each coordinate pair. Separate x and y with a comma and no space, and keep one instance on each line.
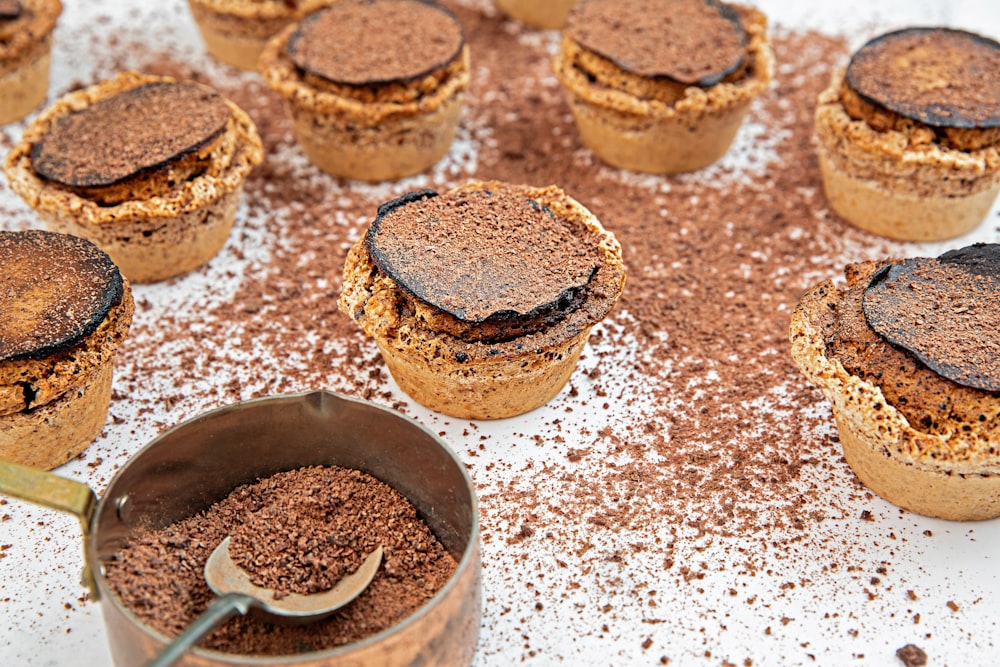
(221,610)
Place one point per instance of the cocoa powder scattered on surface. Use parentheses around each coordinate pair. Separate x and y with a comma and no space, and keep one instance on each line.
(380,41)
(294,532)
(687,487)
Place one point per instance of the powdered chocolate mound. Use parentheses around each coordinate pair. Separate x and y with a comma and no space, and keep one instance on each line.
(938,76)
(483,255)
(363,43)
(135,132)
(945,311)
(55,289)
(695,42)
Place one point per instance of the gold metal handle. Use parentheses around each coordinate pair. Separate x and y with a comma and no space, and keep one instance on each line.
(58,493)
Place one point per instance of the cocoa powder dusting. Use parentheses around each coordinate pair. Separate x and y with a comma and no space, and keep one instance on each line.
(684,500)
(294,532)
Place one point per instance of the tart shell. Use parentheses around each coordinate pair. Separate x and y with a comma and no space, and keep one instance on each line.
(150,238)
(650,135)
(236,31)
(368,141)
(547,14)
(954,476)
(478,380)
(25,56)
(880,182)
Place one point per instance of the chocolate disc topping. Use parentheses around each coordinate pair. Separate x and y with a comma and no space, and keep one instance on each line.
(938,76)
(694,42)
(945,311)
(55,289)
(364,42)
(134,132)
(9,9)
(482,255)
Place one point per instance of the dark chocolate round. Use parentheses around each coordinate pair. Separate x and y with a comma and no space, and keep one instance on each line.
(944,311)
(55,290)
(137,131)
(482,256)
(938,76)
(694,42)
(371,42)
(10,9)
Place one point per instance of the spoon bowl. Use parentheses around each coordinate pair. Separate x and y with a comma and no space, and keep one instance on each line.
(239,595)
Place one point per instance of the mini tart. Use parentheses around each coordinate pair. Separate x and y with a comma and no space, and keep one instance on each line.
(235,31)
(64,310)
(373,89)
(547,14)
(662,86)
(482,299)
(160,195)
(913,435)
(25,46)
(908,136)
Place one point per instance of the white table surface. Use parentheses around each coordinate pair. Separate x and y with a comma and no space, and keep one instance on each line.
(830,622)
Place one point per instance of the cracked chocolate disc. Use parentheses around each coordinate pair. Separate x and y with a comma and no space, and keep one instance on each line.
(482,256)
(376,41)
(55,290)
(694,42)
(135,132)
(938,76)
(944,311)
(9,9)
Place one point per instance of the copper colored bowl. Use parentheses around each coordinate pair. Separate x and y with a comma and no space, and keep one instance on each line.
(188,468)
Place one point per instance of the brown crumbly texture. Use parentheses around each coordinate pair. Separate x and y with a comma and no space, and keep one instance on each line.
(64,312)
(54,289)
(653,124)
(23,39)
(25,48)
(235,31)
(169,223)
(479,378)
(927,400)
(881,119)
(693,42)
(939,84)
(940,77)
(914,437)
(483,256)
(707,302)
(901,183)
(297,531)
(154,125)
(548,14)
(370,133)
(361,43)
(912,656)
(9,9)
(943,313)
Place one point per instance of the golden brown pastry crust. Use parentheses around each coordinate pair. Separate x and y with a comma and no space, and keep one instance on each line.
(53,406)
(655,124)
(544,14)
(150,236)
(25,48)
(27,36)
(900,183)
(235,31)
(371,133)
(951,471)
(475,379)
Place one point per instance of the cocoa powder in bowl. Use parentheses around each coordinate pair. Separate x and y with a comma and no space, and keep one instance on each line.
(294,532)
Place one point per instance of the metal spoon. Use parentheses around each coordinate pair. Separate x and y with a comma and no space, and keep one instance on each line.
(238,595)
